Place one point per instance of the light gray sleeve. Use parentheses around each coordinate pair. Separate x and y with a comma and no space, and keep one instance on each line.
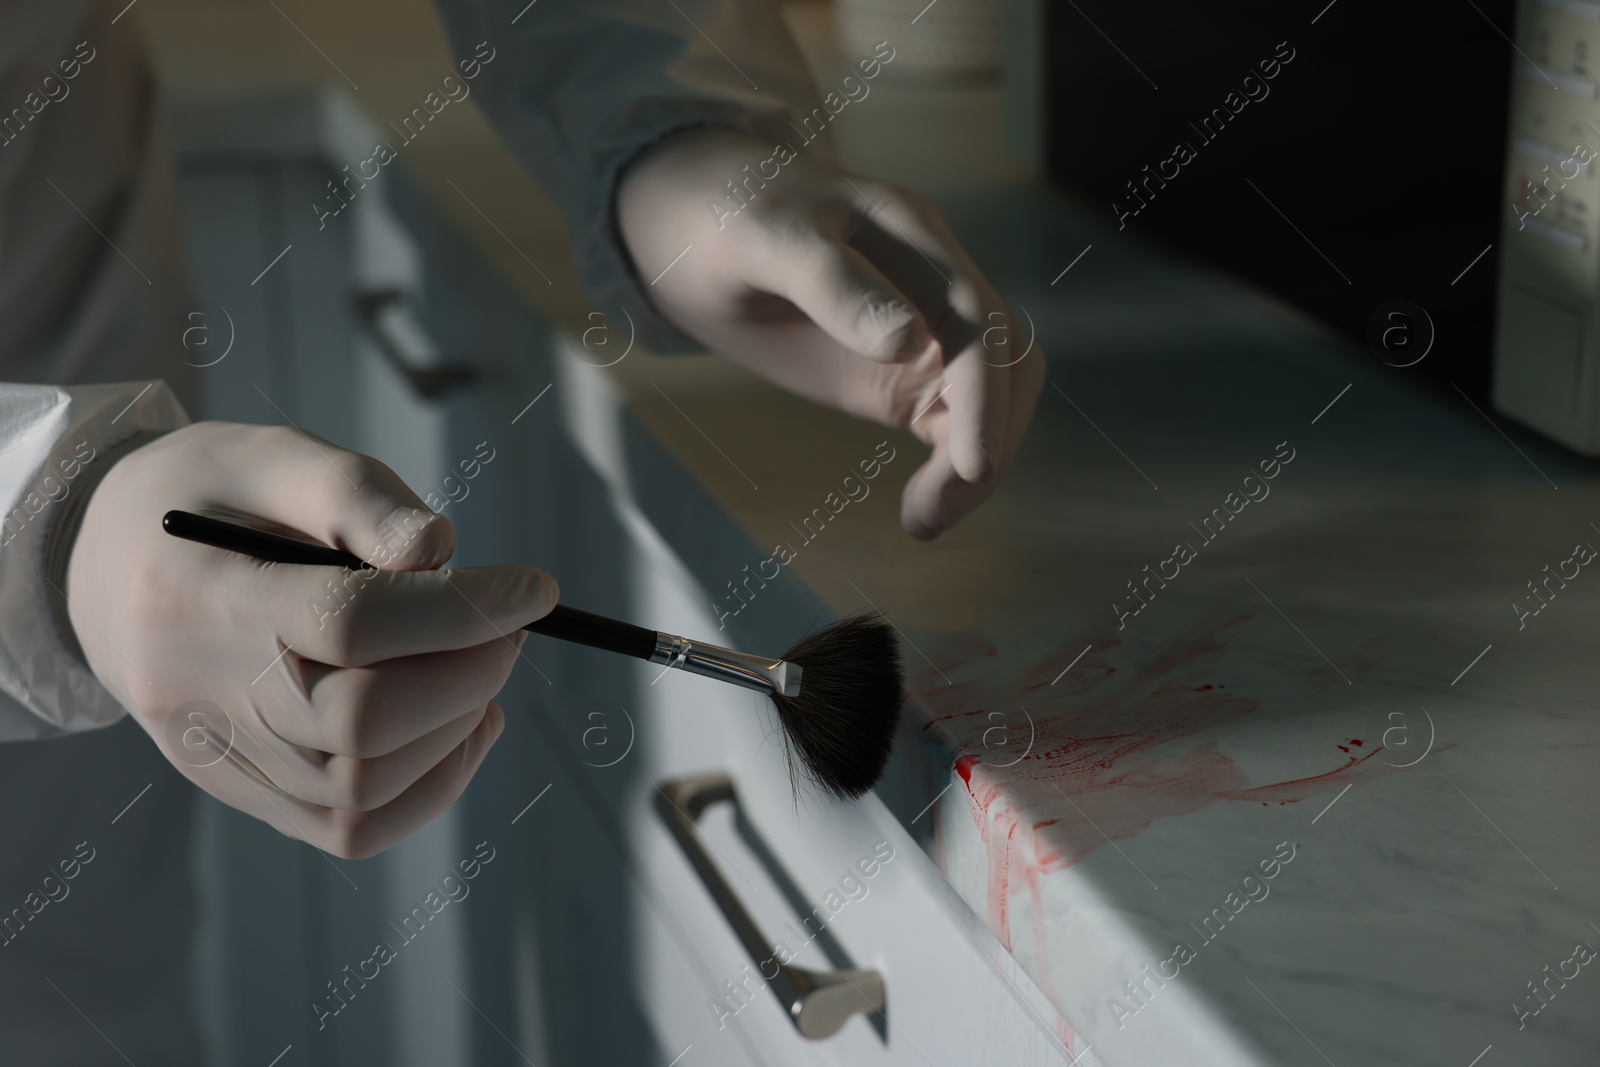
(579,87)
(55,444)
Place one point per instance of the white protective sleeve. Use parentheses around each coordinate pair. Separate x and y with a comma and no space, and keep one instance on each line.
(579,87)
(57,442)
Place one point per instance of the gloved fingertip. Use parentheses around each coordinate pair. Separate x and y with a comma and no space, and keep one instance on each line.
(916,339)
(548,590)
(974,465)
(418,538)
(916,526)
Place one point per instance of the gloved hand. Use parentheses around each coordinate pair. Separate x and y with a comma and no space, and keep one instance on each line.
(848,291)
(346,708)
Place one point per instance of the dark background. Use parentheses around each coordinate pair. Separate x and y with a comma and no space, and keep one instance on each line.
(1383,140)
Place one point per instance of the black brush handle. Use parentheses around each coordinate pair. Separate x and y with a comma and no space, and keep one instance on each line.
(564,623)
(248,541)
(596,631)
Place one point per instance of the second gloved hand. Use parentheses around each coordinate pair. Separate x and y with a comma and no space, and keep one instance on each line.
(849,291)
(345,708)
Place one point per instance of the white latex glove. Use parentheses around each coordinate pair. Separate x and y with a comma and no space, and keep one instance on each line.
(348,720)
(849,291)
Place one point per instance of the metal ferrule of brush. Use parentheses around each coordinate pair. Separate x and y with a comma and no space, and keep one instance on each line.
(726,665)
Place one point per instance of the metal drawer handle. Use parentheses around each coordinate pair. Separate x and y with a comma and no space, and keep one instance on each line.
(819,1003)
(393,323)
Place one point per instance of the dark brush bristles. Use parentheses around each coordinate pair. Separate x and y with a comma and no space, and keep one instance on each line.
(842,724)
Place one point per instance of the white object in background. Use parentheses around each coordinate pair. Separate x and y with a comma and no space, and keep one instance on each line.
(945,37)
(1545,347)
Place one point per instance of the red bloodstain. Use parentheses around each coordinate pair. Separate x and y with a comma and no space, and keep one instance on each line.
(964,768)
(1293,791)
(1108,755)
(1064,1032)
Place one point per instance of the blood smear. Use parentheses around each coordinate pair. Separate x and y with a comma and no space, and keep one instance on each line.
(1109,755)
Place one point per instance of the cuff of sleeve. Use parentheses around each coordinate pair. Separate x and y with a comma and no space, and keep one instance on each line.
(65,440)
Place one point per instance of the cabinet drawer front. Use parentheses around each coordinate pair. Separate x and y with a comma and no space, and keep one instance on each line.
(841,886)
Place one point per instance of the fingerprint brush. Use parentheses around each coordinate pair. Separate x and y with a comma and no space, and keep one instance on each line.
(840,722)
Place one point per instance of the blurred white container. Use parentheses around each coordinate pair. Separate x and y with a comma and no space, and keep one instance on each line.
(945,38)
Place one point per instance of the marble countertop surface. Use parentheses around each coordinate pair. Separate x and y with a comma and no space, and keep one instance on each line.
(1231,714)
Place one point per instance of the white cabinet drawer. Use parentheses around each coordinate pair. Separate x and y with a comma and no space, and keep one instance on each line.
(605,973)
(953,994)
